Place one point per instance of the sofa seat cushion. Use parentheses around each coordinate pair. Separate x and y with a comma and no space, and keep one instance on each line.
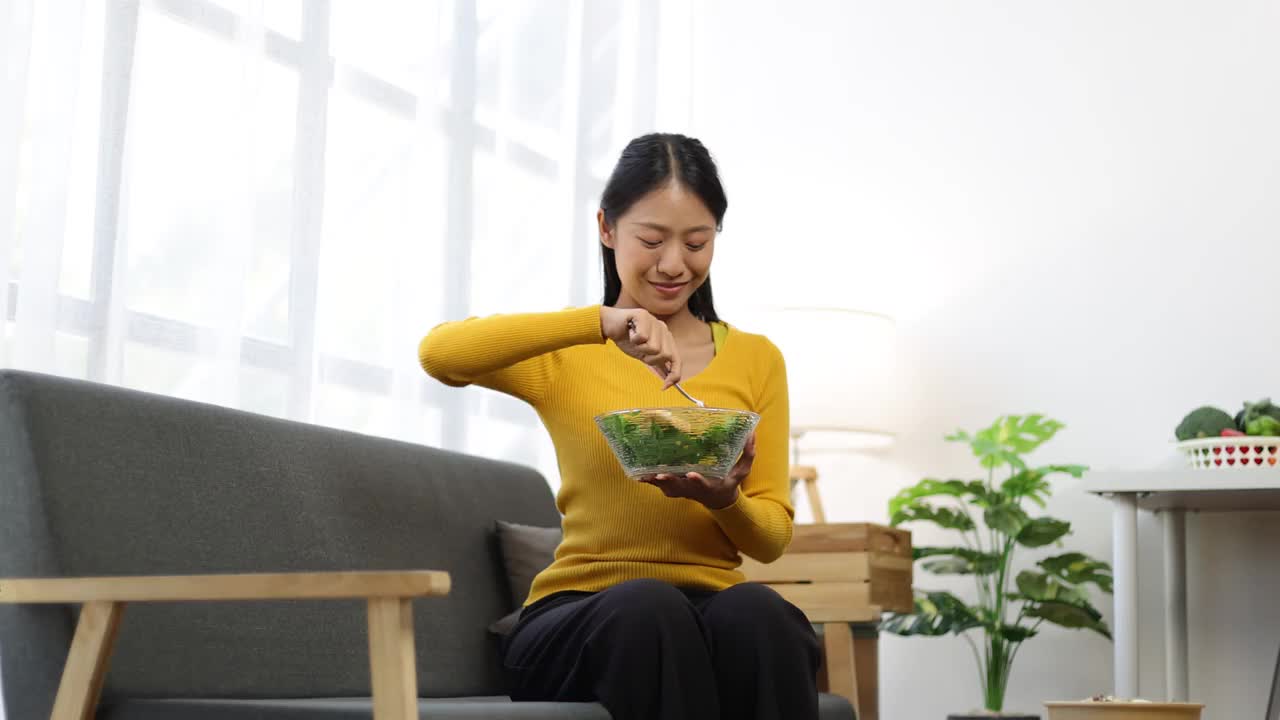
(471,708)
(830,707)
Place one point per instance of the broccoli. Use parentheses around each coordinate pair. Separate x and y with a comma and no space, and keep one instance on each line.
(1204,422)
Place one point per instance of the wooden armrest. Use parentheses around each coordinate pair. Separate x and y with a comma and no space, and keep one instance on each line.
(388,593)
(252,586)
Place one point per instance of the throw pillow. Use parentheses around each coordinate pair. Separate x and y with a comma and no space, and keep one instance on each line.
(526,551)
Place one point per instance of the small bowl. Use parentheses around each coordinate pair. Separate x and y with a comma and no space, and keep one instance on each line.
(677,440)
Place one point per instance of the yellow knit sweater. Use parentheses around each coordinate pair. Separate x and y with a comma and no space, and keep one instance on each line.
(615,528)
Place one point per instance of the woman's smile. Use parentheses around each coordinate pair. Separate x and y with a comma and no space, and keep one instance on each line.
(669,289)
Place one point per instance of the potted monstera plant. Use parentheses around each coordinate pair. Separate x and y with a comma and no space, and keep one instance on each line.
(992,519)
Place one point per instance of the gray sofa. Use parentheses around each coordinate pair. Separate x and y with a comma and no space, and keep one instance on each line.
(97,480)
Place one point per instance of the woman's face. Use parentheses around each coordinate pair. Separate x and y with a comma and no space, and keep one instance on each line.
(662,246)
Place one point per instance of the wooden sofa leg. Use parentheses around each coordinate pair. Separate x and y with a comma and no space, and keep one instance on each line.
(87,661)
(391,659)
(838,662)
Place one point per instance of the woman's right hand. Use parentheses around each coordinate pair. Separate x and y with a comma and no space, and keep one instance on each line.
(645,338)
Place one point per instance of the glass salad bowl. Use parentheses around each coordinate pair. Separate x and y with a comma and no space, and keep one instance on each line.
(677,440)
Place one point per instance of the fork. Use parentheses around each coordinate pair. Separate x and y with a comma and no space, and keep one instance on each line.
(691,398)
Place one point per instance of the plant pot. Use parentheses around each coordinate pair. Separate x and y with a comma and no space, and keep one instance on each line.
(1123,711)
(991,716)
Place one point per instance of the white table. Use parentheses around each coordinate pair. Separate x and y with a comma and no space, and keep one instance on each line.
(1171,493)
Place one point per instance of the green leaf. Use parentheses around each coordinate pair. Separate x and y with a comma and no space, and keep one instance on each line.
(1042,531)
(1016,633)
(1023,434)
(1034,585)
(1010,437)
(908,624)
(986,449)
(930,487)
(993,455)
(1006,518)
(957,561)
(920,552)
(949,566)
(944,517)
(1071,615)
(1078,568)
(936,613)
(1039,587)
(1029,483)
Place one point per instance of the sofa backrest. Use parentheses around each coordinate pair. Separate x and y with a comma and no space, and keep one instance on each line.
(100,480)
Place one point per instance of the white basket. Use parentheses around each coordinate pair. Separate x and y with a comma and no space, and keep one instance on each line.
(1232,452)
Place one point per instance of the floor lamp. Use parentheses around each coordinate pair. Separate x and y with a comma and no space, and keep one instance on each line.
(840,365)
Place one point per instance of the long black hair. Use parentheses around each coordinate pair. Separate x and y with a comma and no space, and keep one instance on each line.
(648,163)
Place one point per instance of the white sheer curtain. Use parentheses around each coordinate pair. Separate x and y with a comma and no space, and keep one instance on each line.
(266,204)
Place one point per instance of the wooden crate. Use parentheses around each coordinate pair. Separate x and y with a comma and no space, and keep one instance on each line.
(841,565)
(842,576)
(860,577)
(851,537)
(831,602)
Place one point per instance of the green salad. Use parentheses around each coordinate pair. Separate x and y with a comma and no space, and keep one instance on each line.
(658,437)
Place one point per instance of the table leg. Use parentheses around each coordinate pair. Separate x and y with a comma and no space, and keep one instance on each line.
(1124,523)
(1175,605)
(840,663)
(866,658)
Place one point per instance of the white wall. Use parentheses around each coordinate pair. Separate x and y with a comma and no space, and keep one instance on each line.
(1071,208)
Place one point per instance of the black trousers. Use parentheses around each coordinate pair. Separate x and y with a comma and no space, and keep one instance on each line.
(646,649)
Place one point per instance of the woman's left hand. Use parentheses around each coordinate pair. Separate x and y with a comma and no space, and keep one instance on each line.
(711,492)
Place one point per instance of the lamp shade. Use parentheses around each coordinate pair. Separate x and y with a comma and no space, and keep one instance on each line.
(840,374)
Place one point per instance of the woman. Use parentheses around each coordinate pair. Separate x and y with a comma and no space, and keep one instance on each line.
(644,609)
